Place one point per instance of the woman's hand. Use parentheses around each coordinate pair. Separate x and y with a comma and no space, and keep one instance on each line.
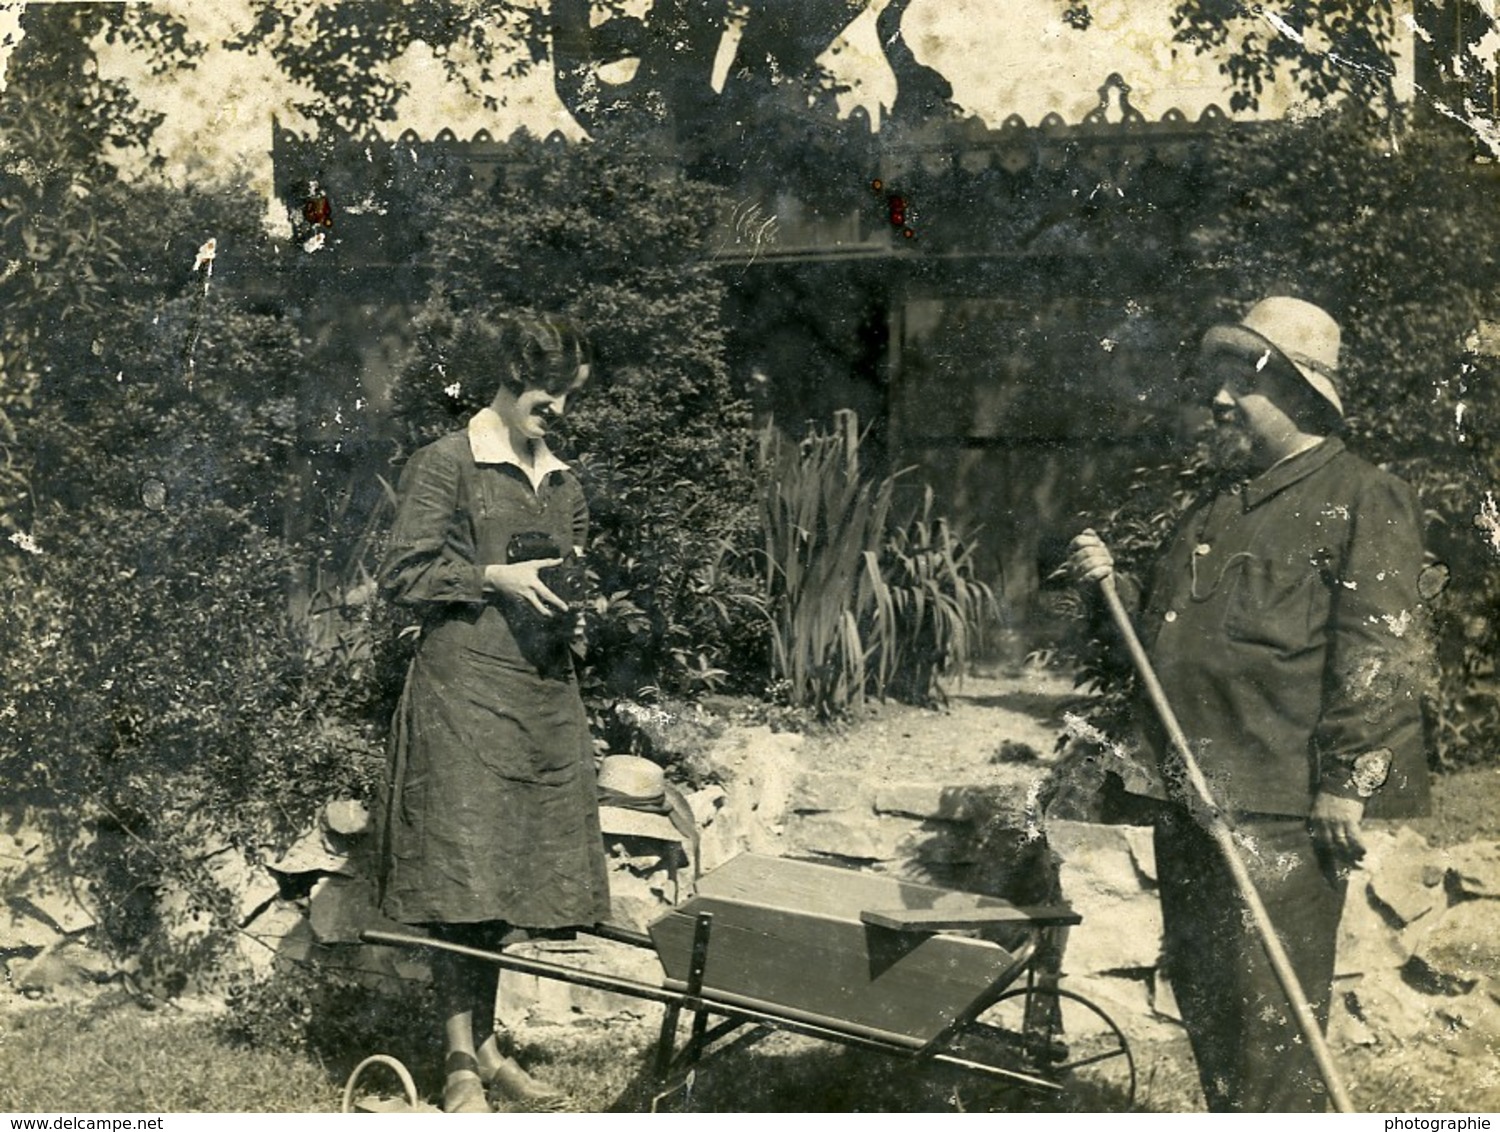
(522,581)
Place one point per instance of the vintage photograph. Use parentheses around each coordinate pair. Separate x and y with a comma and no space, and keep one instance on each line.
(843,556)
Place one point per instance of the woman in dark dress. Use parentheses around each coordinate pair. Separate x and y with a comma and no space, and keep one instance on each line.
(490,820)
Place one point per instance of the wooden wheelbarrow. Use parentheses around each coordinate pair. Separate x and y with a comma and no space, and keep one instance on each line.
(933,976)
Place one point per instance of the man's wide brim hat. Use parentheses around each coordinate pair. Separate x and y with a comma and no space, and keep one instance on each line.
(1306,336)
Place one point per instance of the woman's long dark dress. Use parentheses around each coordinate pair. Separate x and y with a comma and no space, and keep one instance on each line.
(489,808)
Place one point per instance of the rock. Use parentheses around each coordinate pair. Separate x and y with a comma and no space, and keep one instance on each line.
(1164,998)
(1126,1002)
(931,801)
(1400,877)
(67,965)
(1473,870)
(340,908)
(1367,944)
(21,845)
(864,837)
(374,965)
(60,905)
(34,876)
(1459,950)
(252,886)
(1347,1028)
(22,930)
(641,889)
(530,1000)
(814,792)
(851,836)
(314,852)
(1387,1010)
(757,767)
(347,818)
(1476,1013)
(265,935)
(706,804)
(1097,869)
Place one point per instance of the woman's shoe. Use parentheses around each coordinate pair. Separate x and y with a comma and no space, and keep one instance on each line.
(506,1078)
(464,1092)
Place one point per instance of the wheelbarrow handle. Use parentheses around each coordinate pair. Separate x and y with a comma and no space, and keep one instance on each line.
(1219,829)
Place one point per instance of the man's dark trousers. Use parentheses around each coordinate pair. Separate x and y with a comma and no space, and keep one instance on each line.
(1251,1054)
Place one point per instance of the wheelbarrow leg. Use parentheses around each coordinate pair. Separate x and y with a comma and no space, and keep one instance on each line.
(666,1045)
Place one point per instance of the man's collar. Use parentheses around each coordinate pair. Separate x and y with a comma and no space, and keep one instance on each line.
(1280,476)
(489,441)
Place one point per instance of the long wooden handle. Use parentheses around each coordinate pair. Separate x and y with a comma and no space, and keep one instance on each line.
(1222,836)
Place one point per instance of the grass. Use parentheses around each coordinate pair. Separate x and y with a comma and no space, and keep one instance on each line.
(121,1058)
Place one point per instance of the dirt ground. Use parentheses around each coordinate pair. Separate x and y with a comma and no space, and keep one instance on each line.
(999,720)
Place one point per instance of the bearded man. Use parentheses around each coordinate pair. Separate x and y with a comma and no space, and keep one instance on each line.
(1285,623)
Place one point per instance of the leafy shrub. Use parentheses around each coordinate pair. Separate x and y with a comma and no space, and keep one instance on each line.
(159,690)
(338,1018)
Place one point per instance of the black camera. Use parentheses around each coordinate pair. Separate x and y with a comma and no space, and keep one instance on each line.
(566,579)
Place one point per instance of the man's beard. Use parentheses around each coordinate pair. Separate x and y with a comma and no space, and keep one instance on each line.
(1230,448)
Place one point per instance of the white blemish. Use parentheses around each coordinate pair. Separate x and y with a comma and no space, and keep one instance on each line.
(1398,624)
(1350,585)
(1108,345)
(1263,362)
(1410,21)
(1076,727)
(1283,27)
(453,390)
(1033,810)
(1488,520)
(25,542)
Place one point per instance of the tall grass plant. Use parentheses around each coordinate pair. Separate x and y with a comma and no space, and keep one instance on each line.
(859,605)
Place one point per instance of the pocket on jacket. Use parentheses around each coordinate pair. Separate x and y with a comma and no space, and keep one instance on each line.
(1271,605)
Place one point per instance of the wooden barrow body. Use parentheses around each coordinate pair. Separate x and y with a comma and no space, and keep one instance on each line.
(867,961)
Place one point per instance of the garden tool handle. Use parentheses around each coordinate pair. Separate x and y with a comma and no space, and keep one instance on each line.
(1218,828)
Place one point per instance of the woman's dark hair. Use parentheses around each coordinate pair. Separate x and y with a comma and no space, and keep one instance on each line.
(515,352)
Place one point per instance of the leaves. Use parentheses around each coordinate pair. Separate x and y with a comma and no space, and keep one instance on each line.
(859,605)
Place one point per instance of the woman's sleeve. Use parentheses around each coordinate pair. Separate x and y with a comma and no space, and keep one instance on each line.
(431,556)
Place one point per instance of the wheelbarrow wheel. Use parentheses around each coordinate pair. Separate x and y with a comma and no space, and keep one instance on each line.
(1062,1037)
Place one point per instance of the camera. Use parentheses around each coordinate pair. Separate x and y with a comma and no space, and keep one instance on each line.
(566,579)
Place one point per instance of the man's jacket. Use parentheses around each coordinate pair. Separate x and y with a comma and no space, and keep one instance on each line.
(1285,624)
